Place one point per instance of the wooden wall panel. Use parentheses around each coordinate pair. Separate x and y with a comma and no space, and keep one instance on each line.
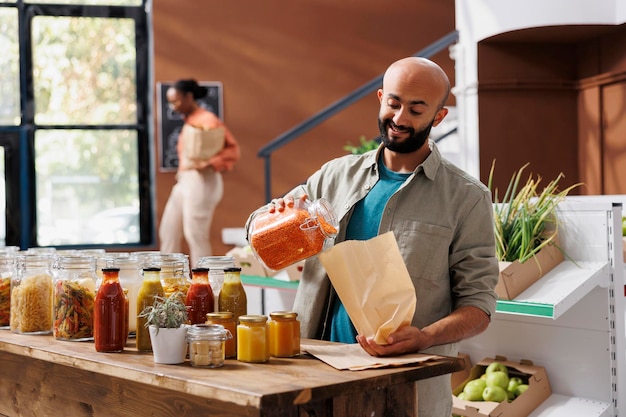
(280,62)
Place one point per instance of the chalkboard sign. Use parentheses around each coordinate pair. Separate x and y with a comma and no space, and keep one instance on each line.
(170,123)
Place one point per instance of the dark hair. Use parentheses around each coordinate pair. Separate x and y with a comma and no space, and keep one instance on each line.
(191,86)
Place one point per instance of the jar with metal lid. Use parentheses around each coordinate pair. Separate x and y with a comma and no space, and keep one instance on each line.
(281,238)
(252,339)
(31,294)
(150,287)
(111,330)
(7,267)
(284,333)
(226,319)
(216,265)
(199,297)
(233,296)
(73,297)
(206,345)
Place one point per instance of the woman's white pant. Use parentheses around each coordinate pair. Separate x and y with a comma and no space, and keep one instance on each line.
(189,211)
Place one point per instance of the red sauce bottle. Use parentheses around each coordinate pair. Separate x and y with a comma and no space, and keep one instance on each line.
(110,313)
(200,299)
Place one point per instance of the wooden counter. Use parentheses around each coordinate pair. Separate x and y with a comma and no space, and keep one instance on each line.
(41,377)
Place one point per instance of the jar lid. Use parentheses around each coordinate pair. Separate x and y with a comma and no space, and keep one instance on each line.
(199,270)
(232,269)
(223,315)
(213,331)
(216,262)
(284,315)
(253,318)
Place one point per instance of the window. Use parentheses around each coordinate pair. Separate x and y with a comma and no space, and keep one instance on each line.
(75,108)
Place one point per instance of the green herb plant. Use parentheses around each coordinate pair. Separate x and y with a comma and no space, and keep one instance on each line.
(365,145)
(525,219)
(170,312)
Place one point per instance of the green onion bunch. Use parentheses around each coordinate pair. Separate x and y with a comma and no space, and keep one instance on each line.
(525,219)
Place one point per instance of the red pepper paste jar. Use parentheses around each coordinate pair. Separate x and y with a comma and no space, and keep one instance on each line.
(281,238)
(199,299)
(110,329)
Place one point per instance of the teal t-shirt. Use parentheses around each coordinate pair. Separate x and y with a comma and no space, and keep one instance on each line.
(364,225)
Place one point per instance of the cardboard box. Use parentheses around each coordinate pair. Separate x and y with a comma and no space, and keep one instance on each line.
(247,262)
(538,391)
(291,273)
(458,377)
(515,277)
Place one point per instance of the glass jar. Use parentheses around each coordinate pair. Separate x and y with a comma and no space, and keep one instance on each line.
(226,319)
(150,287)
(281,238)
(31,294)
(73,297)
(284,329)
(199,298)
(206,345)
(252,339)
(173,271)
(216,265)
(111,330)
(7,267)
(131,280)
(233,296)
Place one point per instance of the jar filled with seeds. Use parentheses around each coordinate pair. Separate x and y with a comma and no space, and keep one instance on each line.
(206,345)
(281,238)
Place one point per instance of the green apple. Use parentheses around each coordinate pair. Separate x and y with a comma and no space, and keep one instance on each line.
(461,396)
(623,226)
(496,366)
(511,395)
(521,388)
(513,383)
(496,394)
(474,390)
(497,379)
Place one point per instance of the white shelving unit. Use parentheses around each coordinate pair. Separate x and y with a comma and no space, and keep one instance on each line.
(572,320)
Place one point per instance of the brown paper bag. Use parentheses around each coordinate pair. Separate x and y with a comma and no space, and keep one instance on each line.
(202,143)
(372,281)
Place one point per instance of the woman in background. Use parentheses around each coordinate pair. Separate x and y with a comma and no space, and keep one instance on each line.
(199,187)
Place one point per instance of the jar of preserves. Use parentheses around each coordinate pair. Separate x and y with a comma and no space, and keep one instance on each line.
(150,287)
(174,271)
(31,294)
(226,319)
(206,345)
(252,339)
(199,298)
(73,297)
(284,329)
(303,229)
(216,265)
(110,329)
(233,296)
(7,267)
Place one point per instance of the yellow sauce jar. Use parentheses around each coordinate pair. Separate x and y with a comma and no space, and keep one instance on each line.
(284,332)
(226,319)
(252,339)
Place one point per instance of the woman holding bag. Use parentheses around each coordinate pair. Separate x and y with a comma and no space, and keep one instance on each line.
(199,186)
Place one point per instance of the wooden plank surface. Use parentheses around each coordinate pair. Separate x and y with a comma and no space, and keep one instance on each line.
(57,373)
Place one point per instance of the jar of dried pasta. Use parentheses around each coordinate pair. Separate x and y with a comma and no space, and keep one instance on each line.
(7,267)
(206,345)
(281,238)
(31,294)
(73,297)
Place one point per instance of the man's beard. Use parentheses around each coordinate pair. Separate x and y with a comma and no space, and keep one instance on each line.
(412,143)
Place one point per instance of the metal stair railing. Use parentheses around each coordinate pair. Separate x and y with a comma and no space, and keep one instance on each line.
(293,133)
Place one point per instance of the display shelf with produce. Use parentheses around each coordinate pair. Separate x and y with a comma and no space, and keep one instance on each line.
(572,320)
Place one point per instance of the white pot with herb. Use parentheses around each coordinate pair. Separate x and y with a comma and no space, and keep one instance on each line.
(166,320)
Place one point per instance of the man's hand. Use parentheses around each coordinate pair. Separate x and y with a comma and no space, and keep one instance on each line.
(279,204)
(407,339)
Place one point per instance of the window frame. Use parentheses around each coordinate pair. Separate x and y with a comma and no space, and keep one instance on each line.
(19,140)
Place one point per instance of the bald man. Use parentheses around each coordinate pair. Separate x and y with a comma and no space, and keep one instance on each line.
(441,217)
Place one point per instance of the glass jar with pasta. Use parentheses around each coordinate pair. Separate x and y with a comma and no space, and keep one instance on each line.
(73,297)
(31,294)
(7,267)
